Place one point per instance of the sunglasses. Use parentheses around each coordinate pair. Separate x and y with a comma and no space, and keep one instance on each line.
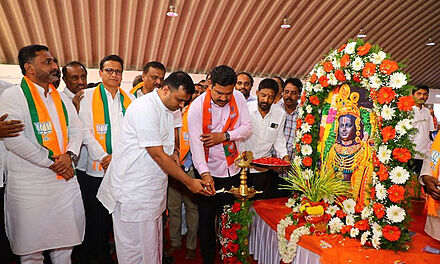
(110,71)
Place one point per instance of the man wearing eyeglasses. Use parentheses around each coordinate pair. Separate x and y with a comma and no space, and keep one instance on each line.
(101,112)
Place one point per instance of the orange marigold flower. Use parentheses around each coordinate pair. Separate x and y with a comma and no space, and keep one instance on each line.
(383,173)
(363,50)
(362,225)
(358,207)
(313,78)
(386,95)
(299,122)
(388,66)
(345,60)
(307,161)
(388,133)
(340,76)
(346,229)
(298,148)
(401,154)
(356,78)
(405,103)
(396,193)
(342,47)
(379,210)
(340,214)
(391,233)
(314,100)
(310,119)
(323,80)
(306,139)
(369,69)
(328,66)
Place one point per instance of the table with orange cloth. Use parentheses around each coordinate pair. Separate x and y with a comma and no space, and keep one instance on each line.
(343,250)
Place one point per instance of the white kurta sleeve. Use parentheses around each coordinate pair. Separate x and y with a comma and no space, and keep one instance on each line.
(75,128)
(280,141)
(13,103)
(96,152)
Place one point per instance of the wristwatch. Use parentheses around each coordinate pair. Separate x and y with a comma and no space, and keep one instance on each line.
(73,156)
(227,136)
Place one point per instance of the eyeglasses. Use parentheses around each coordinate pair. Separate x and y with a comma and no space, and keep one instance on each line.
(110,71)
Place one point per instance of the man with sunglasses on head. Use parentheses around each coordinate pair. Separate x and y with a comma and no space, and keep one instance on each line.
(101,112)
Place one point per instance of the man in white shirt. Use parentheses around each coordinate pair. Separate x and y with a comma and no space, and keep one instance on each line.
(43,203)
(152,78)
(267,133)
(135,185)
(244,84)
(101,112)
(424,124)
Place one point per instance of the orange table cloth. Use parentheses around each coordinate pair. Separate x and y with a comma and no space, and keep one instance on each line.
(347,250)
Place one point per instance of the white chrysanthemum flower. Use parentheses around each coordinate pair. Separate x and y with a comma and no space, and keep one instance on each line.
(364,237)
(320,72)
(375,241)
(384,154)
(388,112)
(400,128)
(309,109)
(375,81)
(317,87)
(308,87)
(335,225)
(306,150)
(349,49)
(331,210)
(349,205)
(336,63)
(407,123)
(299,134)
(347,75)
(291,202)
(332,79)
(307,173)
(349,220)
(381,192)
(373,178)
(397,80)
(297,160)
(395,214)
(399,175)
(354,232)
(366,212)
(377,58)
(377,229)
(305,127)
(300,111)
(357,64)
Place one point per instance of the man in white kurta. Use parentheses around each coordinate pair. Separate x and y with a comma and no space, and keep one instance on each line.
(42,211)
(134,187)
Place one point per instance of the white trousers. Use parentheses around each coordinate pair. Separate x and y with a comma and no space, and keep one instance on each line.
(137,242)
(57,256)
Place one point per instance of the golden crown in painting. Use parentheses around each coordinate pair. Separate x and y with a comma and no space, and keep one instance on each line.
(346,102)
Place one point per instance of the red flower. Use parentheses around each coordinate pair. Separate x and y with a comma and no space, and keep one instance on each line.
(388,66)
(345,60)
(346,229)
(310,119)
(230,234)
(340,214)
(314,100)
(376,161)
(383,173)
(396,193)
(392,233)
(362,225)
(363,50)
(299,122)
(373,94)
(232,247)
(373,194)
(342,48)
(232,260)
(313,78)
(386,95)
(328,66)
(303,97)
(379,210)
(340,76)
(312,229)
(388,133)
(307,161)
(298,148)
(405,103)
(401,154)
(369,69)
(236,208)
(235,226)
(358,207)
(323,80)
(306,139)
(356,78)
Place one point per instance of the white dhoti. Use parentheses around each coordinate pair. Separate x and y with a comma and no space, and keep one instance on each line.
(138,242)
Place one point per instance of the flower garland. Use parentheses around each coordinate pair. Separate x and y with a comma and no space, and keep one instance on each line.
(233,237)
(383,221)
